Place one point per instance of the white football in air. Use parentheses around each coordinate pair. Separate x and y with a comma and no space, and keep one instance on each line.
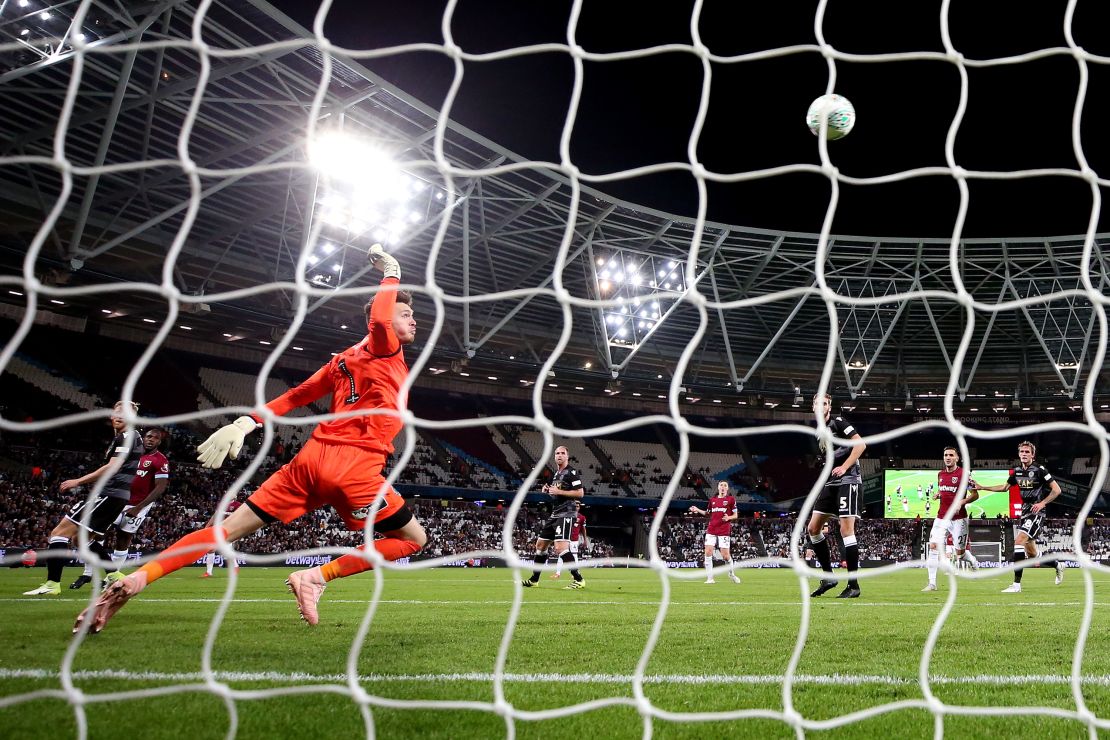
(837,110)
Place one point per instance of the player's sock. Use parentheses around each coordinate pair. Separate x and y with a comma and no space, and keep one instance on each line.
(851,555)
(105,556)
(58,547)
(1019,555)
(931,563)
(568,558)
(390,548)
(209,561)
(559,565)
(967,557)
(535,577)
(731,567)
(709,567)
(820,547)
(119,557)
(88,570)
(186,550)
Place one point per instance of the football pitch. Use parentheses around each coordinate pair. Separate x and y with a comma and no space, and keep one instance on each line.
(436,633)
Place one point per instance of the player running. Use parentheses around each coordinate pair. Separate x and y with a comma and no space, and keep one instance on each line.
(951,505)
(839,498)
(718,533)
(566,488)
(147,487)
(121,461)
(1038,490)
(341,464)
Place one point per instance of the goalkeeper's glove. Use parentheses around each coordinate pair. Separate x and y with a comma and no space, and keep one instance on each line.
(225,442)
(382,260)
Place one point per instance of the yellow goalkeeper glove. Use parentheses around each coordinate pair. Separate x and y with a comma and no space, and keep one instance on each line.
(385,262)
(225,442)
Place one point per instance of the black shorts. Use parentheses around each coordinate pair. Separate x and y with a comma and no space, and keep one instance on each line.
(557,528)
(841,500)
(105,510)
(1031,525)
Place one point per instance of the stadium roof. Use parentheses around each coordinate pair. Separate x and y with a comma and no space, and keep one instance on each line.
(492,232)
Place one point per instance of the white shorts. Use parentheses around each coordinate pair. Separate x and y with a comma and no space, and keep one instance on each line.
(721,542)
(131,524)
(958,528)
(574,546)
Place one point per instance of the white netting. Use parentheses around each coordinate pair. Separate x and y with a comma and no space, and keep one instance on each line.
(207,50)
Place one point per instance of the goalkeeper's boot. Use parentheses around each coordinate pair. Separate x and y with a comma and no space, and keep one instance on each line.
(50,588)
(851,592)
(528,583)
(827,584)
(111,601)
(82,580)
(1060,567)
(574,585)
(307,585)
(1013,588)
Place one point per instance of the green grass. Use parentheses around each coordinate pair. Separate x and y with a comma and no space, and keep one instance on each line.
(994,503)
(433,625)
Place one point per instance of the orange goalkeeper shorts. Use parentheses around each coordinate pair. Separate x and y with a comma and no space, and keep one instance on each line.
(348,478)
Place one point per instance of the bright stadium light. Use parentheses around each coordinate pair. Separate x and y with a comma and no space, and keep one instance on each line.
(352,159)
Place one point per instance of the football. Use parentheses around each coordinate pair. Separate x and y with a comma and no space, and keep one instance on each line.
(837,110)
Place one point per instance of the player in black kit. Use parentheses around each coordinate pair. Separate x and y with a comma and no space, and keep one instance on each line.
(1038,490)
(840,498)
(121,461)
(566,488)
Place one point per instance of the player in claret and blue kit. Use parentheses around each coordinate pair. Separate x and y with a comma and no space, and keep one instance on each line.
(722,513)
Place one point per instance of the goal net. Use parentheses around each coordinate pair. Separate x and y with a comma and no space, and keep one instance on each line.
(205,179)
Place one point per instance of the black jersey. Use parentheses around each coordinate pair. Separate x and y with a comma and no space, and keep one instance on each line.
(1033,482)
(567,479)
(841,428)
(127,445)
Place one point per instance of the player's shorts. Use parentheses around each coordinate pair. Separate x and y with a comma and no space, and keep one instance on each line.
(131,524)
(838,500)
(958,528)
(103,512)
(574,546)
(720,541)
(557,528)
(1031,525)
(346,478)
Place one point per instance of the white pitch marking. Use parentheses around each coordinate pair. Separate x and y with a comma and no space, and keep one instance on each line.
(506,602)
(582,678)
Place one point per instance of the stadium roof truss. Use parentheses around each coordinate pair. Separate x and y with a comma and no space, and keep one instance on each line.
(263,213)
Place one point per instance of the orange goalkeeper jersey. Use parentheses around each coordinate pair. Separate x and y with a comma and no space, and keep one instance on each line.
(363,377)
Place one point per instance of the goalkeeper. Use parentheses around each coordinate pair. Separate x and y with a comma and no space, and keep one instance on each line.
(341,465)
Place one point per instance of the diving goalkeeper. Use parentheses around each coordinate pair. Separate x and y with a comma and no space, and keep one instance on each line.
(341,465)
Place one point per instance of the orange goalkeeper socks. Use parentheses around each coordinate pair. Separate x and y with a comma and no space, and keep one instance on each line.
(186,550)
(350,564)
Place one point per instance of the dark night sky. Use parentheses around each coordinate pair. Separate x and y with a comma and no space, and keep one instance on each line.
(638,112)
